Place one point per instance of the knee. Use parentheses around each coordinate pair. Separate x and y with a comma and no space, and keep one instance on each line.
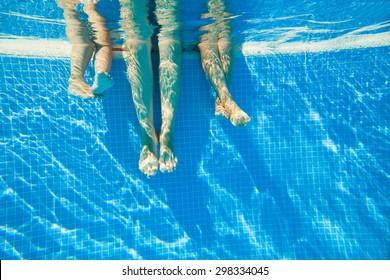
(136,44)
(103,44)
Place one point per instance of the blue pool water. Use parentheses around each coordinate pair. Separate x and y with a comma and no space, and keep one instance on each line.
(308,178)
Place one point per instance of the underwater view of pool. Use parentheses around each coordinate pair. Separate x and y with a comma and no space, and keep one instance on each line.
(307,178)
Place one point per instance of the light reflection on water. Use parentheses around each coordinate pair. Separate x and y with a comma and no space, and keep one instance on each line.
(251,20)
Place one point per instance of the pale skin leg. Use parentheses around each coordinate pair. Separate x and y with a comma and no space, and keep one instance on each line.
(225,51)
(103,50)
(139,66)
(82,49)
(216,55)
(169,43)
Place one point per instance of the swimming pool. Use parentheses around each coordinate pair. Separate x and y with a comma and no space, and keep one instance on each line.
(308,178)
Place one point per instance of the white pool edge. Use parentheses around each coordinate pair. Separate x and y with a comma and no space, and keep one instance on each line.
(50,48)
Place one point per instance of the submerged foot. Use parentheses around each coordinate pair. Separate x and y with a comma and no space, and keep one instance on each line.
(102,82)
(230,110)
(168,161)
(148,162)
(78,87)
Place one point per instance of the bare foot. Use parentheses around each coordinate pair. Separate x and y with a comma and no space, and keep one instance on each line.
(102,82)
(78,87)
(168,160)
(148,162)
(230,110)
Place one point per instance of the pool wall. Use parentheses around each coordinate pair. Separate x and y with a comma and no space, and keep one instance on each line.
(308,178)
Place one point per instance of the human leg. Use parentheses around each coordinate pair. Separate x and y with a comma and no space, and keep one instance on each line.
(225,51)
(139,69)
(82,49)
(103,50)
(216,54)
(170,49)
(224,104)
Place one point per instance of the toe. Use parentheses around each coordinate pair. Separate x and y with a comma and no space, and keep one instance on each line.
(168,161)
(240,119)
(148,163)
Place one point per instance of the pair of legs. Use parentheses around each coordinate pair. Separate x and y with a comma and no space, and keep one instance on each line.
(216,50)
(86,43)
(137,54)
